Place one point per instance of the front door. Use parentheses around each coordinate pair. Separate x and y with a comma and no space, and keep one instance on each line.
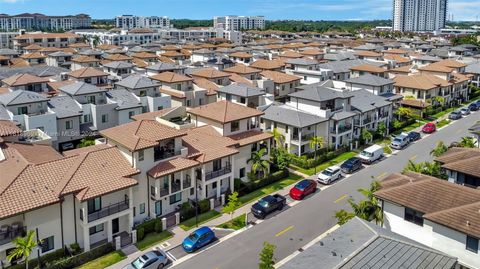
(115,228)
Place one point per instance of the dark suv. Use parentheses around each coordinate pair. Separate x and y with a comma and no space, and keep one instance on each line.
(351,165)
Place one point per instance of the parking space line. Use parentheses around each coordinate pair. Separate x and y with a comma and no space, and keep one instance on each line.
(341,198)
(284,231)
(171,256)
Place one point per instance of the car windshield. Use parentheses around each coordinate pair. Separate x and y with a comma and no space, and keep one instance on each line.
(327,172)
(366,154)
(263,203)
(397,140)
(302,185)
(193,237)
(138,263)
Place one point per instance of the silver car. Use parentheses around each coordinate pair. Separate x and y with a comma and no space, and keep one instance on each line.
(154,259)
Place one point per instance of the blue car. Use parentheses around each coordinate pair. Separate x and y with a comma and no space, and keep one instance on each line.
(199,238)
(473,107)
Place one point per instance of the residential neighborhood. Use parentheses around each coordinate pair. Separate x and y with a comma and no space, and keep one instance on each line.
(146,141)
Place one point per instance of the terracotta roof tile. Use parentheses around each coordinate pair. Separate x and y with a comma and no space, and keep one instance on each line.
(207,85)
(241,69)
(420,82)
(24,79)
(152,115)
(241,54)
(279,77)
(118,57)
(87,72)
(170,77)
(267,64)
(239,79)
(8,128)
(209,73)
(250,137)
(34,55)
(368,68)
(225,111)
(171,166)
(205,144)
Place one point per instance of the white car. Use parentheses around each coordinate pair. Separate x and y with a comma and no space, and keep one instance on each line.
(329,175)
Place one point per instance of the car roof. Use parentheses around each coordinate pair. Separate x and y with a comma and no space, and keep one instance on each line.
(304,182)
(149,255)
(333,168)
(202,230)
(351,159)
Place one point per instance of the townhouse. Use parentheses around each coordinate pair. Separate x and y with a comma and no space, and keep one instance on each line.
(243,94)
(180,88)
(436,213)
(283,84)
(461,166)
(57,40)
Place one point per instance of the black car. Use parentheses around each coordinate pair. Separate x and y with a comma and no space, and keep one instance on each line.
(473,107)
(267,205)
(414,136)
(351,165)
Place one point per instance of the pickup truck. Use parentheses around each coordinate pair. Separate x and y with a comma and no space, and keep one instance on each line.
(267,205)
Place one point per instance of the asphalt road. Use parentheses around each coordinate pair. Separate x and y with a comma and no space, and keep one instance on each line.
(295,227)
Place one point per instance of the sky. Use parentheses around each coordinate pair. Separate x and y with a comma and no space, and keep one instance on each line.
(206,9)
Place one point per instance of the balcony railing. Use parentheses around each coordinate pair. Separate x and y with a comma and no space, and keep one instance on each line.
(213,174)
(176,187)
(187,183)
(6,236)
(109,210)
(341,129)
(305,137)
(159,155)
(164,191)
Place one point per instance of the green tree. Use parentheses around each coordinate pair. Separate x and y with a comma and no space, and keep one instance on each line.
(316,142)
(258,163)
(23,247)
(232,204)
(467,142)
(343,216)
(438,101)
(366,135)
(280,158)
(96,41)
(439,149)
(382,129)
(404,112)
(267,256)
(278,137)
(86,142)
(413,167)
(368,209)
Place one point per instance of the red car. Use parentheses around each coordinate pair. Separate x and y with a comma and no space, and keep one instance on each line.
(303,188)
(429,128)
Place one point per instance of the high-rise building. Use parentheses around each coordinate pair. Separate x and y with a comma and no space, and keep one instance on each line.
(39,21)
(129,21)
(419,15)
(237,23)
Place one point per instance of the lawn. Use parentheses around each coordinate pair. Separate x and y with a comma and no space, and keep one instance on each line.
(245,199)
(340,158)
(104,261)
(202,218)
(235,224)
(442,113)
(152,239)
(442,123)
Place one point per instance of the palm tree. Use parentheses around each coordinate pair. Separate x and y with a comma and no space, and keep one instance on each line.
(368,209)
(96,41)
(316,142)
(438,101)
(404,112)
(366,135)
(382,129)
(278,137)
(439,149)
(258,163)
(413,167)
(23,247)
(467,142)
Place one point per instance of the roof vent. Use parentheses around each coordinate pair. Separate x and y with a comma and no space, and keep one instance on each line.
(468,223)
(334,254)
(321,243)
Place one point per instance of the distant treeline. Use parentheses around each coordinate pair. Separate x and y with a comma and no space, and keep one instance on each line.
(324,26)
(185,23)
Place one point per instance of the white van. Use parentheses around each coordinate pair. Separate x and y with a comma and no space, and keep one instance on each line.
(371,154)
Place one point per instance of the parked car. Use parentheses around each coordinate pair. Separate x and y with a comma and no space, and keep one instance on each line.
(351,165)
(465,111)
(429,128)
(371,154)
(303,188)
(68,146)
(473,107)
(329,175)
(267,205)
(455,115)
(150,260)
(414,136)
(400,141)
(198,239)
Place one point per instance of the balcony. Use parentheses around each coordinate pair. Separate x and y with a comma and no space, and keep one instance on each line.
(165,154)
(8,233)
(304,137)
(223,171)
(341,129)
(176,186)
(164,191)
(109,210)
(187,182)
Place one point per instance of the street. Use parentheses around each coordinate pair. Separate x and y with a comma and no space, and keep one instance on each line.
(295,227)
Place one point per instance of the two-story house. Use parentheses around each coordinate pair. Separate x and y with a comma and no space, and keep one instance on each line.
(90,75)
(245,71)
(461,165)
(180,88)
(284,84)
(26,82)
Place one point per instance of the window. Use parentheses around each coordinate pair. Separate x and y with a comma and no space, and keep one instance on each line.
(214,185)
(189,103)
(104,118)
(94,205)
(95,229)
(179,87)
(142,208)
(217,164)
(160,108)
(22,110)
(69,124)
(141,155)
(131,114)
(48,244)
(144,109)
(413,216)
(472,244)
(91,99)
(242,100)
(234,126)
(192,191)
(152,190)
(175,198)
(87,118)
(143,93)
(242,172)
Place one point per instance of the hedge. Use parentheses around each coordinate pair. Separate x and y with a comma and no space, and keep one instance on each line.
(307,162)
(44,259)
(187,211)
(82,258)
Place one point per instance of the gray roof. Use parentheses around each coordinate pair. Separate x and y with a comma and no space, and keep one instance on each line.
(364,100)
(124,99)
(161,66)
(320,92)
(428,58)
(342,115)
(136,82)
(344,66)
(9,52)
(473,68)
(301,61)
(79,88)
(118,65)
(370,80)
(65,106)
(19,97)
(203,51)
(90,52)
(339,56)
(242,90)
(290,116)
(359,244)
(139,49)
(443,53)
(458,48)
(37,70)
(4,115)
(60,54)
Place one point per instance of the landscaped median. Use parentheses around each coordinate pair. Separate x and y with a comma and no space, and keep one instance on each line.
(335,161)
(202,218)
(104,261)
(235,223)
(152,239)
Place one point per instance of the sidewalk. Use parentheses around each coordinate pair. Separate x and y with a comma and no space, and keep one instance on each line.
(179,234)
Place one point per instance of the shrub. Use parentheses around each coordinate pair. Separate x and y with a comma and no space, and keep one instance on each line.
(158,226)
(82,258)
(140,234)
(204,206)
(186,211)
(148,226)
(274,177)
(75,247)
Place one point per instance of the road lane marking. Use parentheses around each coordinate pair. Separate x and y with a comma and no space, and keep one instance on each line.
(413,157)
(284,231)
(341,198)
(381,175)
